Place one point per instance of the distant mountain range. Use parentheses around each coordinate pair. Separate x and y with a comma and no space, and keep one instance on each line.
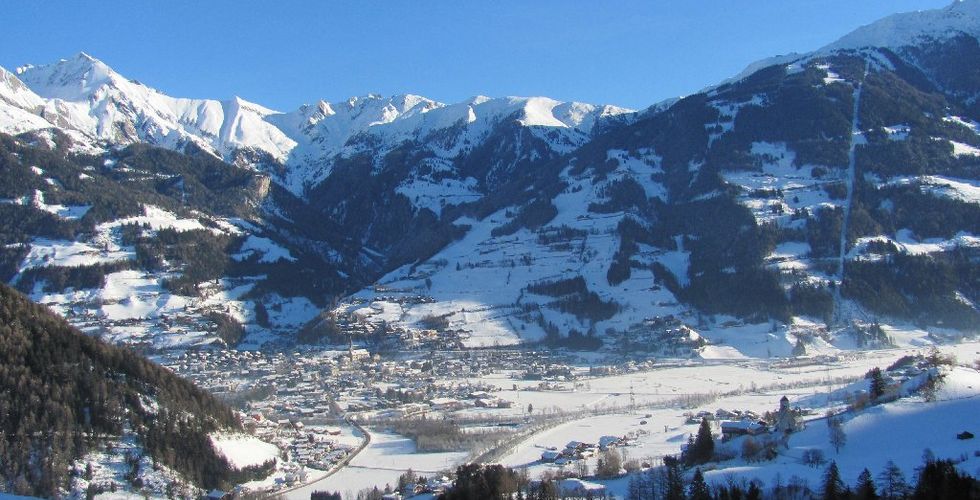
(85,96)
(827,200)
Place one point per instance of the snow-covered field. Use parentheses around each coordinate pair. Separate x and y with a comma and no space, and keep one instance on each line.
(243,450)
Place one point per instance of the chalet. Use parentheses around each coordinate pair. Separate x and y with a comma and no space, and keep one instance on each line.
(607,441)
(735,428)
(493,403)
(446,404)
(550,456)
(722,413)
(696,418)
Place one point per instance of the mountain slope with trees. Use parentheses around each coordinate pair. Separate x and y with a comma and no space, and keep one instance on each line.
(65,393)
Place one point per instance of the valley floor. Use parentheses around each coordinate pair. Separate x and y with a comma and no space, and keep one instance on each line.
(653,409)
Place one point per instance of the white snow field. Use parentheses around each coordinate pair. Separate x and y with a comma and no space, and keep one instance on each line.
(964,190)
(243,450)
(264,247)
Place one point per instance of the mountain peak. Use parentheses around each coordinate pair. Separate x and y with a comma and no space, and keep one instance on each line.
(74,79)
(241,103)
(83,56)
(909,28)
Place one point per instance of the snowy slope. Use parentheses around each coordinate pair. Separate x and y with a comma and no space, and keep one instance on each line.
(243,450)
(893,32)
(19,106)
(870,437)
(479,282)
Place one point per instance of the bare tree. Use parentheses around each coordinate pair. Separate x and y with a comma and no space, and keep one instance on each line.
(836,428)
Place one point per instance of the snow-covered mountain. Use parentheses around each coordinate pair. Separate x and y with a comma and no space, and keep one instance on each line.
(809,190)
(99,110)
(895,32)
(145,415)
(379,124)
(84,94)
(20,108)
(913,28)
(805,201)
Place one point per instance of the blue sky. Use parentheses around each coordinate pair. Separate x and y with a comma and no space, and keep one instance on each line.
(285,53)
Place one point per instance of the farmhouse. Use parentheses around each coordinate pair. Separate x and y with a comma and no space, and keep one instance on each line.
(607,441)
(735,428)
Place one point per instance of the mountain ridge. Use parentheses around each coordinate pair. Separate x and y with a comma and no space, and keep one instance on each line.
(85,94)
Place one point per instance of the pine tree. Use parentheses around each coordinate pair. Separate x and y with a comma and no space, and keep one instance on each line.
(866,487)
(635,489)
(940,480)
(698,489)
(892,482)
(672,484)
(688,451)
(833,486)
(703,447)
(877,383)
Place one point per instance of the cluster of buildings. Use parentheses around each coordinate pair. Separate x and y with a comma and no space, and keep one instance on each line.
(736,423)
(315,446)
(665,335)
(578,450)
(291,397)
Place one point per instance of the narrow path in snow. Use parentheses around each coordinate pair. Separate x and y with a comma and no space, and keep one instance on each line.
(851,174)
